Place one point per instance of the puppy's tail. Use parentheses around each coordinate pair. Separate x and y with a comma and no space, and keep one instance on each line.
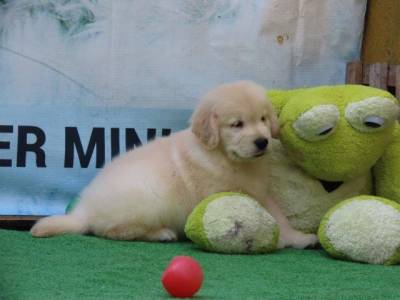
(56,225)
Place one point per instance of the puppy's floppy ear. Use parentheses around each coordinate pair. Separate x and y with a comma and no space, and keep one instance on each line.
(273,117)
(205,125)
(275,127)
(279,98)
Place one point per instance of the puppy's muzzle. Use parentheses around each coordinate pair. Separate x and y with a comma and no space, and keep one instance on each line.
(261,143)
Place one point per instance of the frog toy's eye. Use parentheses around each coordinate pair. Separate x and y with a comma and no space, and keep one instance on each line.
(318,123)
(372,114)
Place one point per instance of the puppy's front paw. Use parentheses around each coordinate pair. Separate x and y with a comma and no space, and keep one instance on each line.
(305,241)
(297,239)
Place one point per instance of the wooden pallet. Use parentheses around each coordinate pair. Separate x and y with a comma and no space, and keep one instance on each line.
(379,75)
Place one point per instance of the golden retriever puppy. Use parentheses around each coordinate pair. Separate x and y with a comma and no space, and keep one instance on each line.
(147,193)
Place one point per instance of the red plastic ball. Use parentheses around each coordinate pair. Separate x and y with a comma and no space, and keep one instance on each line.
(183,277)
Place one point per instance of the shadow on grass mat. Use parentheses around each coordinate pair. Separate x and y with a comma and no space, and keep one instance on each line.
(79,267)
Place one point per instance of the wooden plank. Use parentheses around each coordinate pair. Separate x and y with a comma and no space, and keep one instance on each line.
(18,222)
(378,75)
(10,218)
(365,79)
(397,81)
(354,73)
(392,75)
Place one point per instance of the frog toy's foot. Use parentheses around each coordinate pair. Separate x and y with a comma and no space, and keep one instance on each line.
(364,229)
(232,223)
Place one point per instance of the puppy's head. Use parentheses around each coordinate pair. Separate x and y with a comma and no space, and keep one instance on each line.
(238,118)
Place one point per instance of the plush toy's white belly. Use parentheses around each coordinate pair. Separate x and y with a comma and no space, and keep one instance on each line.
(303,198)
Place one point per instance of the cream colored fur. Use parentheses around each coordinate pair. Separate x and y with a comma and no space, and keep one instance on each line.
(148,193)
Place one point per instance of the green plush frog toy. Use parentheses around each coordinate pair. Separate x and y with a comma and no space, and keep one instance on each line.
(335,171)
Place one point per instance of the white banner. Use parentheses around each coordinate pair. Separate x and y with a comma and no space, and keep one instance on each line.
(81,80)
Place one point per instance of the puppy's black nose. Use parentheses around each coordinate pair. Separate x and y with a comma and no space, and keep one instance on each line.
(261,143)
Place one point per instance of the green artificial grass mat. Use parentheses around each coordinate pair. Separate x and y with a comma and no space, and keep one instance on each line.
(82,267)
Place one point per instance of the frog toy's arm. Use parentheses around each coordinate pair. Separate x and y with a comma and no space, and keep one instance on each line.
(387,170)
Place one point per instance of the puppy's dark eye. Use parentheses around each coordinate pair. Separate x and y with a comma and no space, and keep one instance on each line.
(237,124)
(263,118)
